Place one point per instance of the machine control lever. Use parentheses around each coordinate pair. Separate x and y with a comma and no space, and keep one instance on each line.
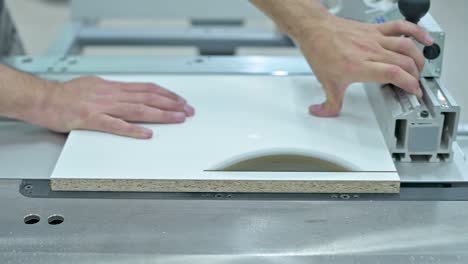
(413,11)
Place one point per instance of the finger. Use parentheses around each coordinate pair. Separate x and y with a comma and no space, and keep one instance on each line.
(157,101)
(388,73)
(119,127)
(189,110)
(147,114)
(404,62)
(333,104)
(406,47)
(402,27)
(150,88)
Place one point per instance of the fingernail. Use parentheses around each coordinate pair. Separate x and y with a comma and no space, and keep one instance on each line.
(316,109)
(419,94)
(148,133)
(322,111)
(179,117)
(189,110)
(429,39)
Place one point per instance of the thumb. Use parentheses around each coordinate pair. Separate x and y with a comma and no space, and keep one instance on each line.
(334,102)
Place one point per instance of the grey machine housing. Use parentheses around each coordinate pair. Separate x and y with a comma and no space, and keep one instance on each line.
(418,129)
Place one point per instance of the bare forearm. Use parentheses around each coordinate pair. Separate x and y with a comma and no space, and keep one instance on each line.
(22,96)
(89,103)
(294,16)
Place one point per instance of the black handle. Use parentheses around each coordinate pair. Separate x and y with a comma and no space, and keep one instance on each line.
(414,10)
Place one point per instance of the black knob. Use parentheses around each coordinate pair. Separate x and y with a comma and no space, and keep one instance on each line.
(414,10)
(432,52)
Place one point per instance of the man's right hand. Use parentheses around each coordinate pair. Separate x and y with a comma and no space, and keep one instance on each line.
(342,52)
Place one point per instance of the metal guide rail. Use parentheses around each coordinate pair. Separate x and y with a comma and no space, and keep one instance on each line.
(417,129)
(409,192)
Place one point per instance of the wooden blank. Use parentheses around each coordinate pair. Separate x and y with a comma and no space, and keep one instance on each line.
(250,134)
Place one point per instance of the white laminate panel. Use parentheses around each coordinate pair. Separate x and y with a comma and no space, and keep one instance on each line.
(238,118)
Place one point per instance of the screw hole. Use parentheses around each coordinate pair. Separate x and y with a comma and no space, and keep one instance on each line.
(32,219)
(55,220)
(28,187)
(345,196)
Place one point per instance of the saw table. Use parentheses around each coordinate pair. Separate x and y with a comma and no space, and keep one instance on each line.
(424,223)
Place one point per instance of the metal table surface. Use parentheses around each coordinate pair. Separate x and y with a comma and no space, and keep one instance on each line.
(231,231)
(213,228)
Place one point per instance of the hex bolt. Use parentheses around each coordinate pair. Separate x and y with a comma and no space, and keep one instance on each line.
(424,114)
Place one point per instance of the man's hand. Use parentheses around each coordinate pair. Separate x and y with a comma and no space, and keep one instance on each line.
(89,103)
(342,52)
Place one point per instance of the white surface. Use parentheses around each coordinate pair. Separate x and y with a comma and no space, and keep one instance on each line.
(238,117)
